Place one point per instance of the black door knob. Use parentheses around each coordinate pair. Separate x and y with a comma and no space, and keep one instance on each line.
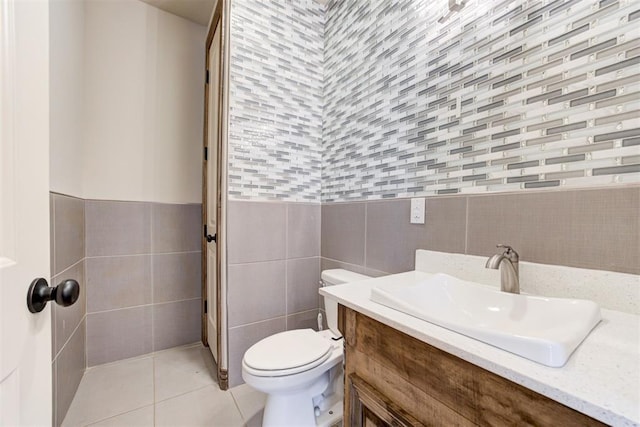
(211,238)
(65,294)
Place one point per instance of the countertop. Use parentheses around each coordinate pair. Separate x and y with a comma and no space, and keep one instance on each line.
(601,378)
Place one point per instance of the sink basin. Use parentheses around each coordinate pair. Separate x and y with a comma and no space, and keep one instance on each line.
(545,330)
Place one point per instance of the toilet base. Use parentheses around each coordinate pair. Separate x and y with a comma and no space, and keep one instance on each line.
(332,415)
(293,409)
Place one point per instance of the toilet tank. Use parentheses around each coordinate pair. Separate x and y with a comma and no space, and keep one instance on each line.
(337,276)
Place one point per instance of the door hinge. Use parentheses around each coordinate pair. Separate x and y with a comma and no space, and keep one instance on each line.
(206,308)
(206,153)
(207,77)
(208,236)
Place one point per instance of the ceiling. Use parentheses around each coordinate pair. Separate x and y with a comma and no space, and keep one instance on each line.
(198,11)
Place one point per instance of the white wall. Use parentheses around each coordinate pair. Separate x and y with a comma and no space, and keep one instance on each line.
(66,76)
(129,93)
(144,98)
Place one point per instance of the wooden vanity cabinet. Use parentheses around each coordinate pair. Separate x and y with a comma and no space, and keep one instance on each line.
(392,379)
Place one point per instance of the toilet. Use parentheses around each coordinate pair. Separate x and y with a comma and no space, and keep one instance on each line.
(301,370)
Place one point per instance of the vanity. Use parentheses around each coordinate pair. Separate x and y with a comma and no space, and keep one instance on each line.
(401,370)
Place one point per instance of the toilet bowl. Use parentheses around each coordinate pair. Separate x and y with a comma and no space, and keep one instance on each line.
(301,370)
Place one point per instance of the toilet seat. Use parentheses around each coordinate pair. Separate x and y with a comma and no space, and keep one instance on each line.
(287,353)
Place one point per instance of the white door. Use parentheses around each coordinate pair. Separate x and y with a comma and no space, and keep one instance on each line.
(25,338)
(213,204)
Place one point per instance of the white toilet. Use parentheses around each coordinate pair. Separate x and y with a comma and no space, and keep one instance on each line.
(301,370)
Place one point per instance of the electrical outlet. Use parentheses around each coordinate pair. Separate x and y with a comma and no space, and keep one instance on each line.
(417,210)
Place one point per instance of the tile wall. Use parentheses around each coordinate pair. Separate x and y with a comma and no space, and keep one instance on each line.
(68,323)
(275,118)
(502,96)
(587,228)
(143,278)
(139,269)
(273,272)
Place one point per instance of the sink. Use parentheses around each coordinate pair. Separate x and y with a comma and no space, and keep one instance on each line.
(545,330)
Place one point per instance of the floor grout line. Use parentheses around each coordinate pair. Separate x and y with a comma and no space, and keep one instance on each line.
(199,369)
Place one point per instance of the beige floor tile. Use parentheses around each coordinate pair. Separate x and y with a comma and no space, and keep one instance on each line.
(207,406)
(181,370)
(109,390)
(142,417)
(251,404)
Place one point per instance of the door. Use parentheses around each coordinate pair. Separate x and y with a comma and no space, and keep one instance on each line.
(213,131)
(214,316)
(25,338)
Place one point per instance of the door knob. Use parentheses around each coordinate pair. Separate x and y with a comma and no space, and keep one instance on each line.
(211,238)
(65,294)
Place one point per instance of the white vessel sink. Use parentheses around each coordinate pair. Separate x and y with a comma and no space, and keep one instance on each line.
(545,330)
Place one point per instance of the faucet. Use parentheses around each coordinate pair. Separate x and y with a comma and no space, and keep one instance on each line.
(509,281)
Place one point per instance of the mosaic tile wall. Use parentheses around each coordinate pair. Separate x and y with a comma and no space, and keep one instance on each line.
(501,96)
(276,84)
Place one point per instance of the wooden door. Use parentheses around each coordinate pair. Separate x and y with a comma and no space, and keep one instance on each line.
(214,315)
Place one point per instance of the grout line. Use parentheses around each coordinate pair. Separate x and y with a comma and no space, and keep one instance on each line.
(71,336)
(259,321)
(152,284)
(144,305)
(67,268)
(466,225)
(153,385)
(176,348)
(186,392)
(237,406)
(86,318)
(264,262)
(361,267)
(117,362)
(364,257)
(143,254)
(286,267)
(52,243)
(93,422)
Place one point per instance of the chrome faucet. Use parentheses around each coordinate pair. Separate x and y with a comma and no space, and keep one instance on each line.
(509,280)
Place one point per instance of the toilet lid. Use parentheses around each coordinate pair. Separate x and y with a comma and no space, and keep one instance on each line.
(287,350)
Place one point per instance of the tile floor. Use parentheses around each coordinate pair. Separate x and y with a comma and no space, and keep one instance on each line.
(174,387)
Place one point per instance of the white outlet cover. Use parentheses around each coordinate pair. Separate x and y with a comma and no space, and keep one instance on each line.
(417,210)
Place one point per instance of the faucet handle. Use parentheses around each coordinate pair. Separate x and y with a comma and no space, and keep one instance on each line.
(509,252)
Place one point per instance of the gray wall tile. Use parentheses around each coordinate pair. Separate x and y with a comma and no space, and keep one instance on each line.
(117,228)
(68,224)
(141,254)
(176,228)
(303,277)
(176,276)
(445,220)
(69,367)
(596,229)
(303,230)
(176,323)
(305,320)
(343,232)
(256,231)
(66,319)
(118,282)
(243,337)
(256,292)
(329,264)
(118,334)
(391,239)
